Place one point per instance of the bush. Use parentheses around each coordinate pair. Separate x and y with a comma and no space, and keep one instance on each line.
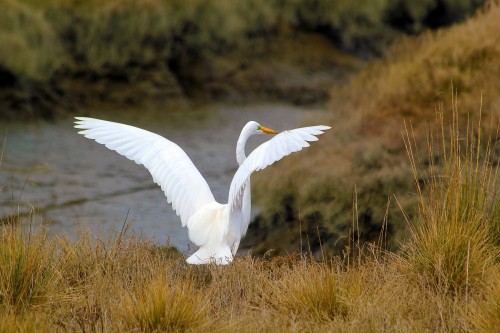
(31,48)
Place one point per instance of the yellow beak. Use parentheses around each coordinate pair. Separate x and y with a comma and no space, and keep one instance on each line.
(267,130)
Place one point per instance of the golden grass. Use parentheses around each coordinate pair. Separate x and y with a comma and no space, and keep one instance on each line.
(307,290)
(418,71)
(364,153)
(452,242)
(164,305)
(301,296)
(445,280)
(27,269)
(484,312)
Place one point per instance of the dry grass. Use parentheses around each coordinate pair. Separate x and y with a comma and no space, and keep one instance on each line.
(291,295)
(484,312)
(446,280)
(167,306)
(307,290)
(27,269)
(364,152)
(452,245)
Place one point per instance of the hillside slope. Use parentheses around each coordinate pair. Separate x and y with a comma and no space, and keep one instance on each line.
(364,157)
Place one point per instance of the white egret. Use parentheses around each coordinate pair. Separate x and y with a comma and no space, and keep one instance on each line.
(216,228)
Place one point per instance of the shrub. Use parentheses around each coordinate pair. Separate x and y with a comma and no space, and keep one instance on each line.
(31,49)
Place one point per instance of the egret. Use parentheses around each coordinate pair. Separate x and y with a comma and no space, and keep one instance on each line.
(216,228)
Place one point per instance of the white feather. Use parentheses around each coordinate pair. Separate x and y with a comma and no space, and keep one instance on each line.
(266,154)
(169,165)
(215,227)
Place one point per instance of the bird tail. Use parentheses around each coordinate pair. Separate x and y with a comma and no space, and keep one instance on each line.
(220,255)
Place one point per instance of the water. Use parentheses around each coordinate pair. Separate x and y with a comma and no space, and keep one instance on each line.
(73,182)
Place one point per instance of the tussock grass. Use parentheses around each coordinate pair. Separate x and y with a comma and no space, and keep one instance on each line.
(27,268)
(308,290)
(21,323)
(452,246)
(417,72)
(365,154)
(144,288)
(173,306)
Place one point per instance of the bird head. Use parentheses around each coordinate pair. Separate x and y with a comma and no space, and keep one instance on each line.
(256,128)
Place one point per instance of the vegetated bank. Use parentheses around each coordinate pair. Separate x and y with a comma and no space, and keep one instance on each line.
(62,55)
(363,159)
(446,279)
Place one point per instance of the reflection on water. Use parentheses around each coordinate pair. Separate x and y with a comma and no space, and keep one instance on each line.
(73,181)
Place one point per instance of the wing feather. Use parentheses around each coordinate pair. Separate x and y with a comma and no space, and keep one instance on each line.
(266,154)
(168,164)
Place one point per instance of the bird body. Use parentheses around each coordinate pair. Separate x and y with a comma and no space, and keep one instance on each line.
(216,228)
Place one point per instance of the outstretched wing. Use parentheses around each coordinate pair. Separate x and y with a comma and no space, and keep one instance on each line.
(169,165)
(281,145)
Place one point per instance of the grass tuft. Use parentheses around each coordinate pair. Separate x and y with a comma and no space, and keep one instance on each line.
(163,305)
(452,245)
(27,268)
(309,290)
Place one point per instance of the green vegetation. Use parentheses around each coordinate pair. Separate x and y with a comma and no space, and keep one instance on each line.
(127,284)
(59,55)
(364,159)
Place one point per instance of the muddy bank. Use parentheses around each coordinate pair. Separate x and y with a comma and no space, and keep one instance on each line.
(268,70)
(356,182)
(61,55)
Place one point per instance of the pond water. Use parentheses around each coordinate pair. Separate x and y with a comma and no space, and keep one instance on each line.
(73,182)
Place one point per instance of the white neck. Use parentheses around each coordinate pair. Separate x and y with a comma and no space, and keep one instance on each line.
(246,133)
